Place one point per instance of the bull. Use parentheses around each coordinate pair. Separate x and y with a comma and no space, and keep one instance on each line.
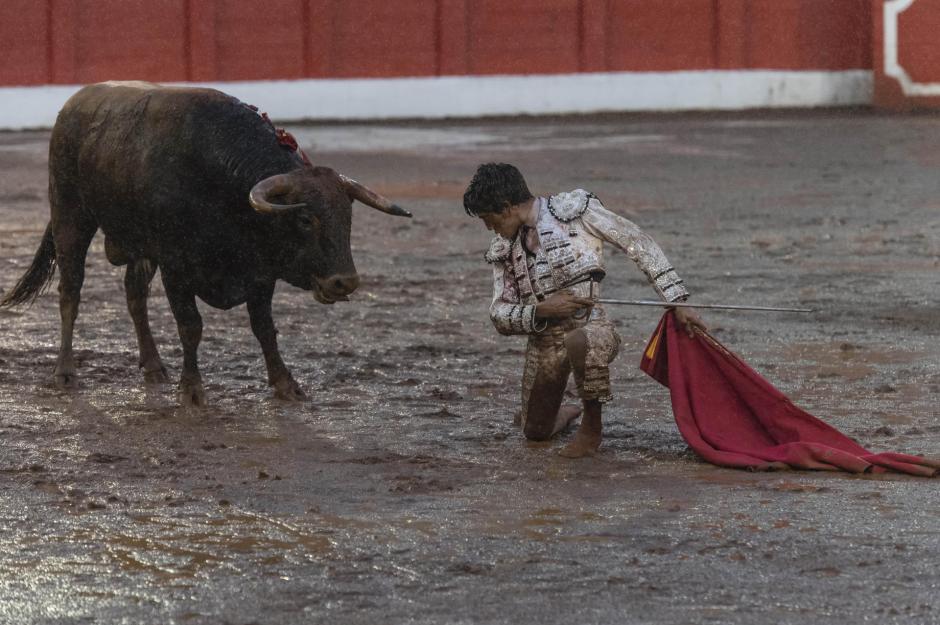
(195,183)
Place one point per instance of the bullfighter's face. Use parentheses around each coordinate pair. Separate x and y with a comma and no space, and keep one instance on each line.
(504,223)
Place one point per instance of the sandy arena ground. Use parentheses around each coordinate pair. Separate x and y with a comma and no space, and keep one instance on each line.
(402,493)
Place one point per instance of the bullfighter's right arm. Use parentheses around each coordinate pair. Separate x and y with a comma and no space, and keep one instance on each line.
(639,247)
(507,312)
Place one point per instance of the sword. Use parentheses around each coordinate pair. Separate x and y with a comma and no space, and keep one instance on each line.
(625,302)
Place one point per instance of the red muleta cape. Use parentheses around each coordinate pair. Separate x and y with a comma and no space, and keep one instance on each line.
(732,417)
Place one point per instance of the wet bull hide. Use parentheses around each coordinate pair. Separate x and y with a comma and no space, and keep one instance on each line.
(196,184)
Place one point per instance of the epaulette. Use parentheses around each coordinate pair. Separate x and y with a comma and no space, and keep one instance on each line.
(570,205)
(499,250)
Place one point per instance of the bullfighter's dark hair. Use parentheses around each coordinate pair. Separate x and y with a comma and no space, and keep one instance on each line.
(492,186)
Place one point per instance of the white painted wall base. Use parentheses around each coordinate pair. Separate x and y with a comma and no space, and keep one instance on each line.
(477,96)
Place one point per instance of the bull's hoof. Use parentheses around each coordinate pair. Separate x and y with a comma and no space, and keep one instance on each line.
(67,381)
(289,390)
(156,376)
(65,376)
(192,395)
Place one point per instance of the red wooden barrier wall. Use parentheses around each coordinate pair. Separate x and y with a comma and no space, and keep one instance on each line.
(80,41)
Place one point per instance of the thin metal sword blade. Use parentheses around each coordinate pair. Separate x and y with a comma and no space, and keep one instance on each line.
(625,302)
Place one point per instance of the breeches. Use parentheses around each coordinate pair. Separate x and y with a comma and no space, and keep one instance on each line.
(548,365)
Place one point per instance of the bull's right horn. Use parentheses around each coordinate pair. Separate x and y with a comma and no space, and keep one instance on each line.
(357,191)
(272,185)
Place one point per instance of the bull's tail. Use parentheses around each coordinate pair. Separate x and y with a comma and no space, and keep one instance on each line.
(37,277)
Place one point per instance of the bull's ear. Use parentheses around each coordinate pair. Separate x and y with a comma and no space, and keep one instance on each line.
(357,191)
(278,184)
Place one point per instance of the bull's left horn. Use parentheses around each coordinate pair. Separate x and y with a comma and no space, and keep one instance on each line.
(357,191)
(272,185)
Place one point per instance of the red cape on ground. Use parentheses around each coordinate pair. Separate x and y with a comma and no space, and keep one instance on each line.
(732,417)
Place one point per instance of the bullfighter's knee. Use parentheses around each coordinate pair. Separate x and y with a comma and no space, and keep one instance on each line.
(537,430)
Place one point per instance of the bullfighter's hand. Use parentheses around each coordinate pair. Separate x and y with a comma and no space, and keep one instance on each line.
(689,320)
(561,305)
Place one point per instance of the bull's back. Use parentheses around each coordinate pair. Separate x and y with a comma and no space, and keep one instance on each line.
(124,118)
(116,131)
(124,152)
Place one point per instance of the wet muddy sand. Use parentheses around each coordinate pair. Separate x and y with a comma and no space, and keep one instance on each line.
(402,493)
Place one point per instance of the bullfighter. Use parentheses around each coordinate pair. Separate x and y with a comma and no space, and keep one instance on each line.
(547,259)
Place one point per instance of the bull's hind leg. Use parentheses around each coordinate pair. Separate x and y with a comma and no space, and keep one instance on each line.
(189,324)
(72,233)
(137,280)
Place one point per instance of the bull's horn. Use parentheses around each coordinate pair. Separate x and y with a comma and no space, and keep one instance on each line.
(272,185)
(356,191)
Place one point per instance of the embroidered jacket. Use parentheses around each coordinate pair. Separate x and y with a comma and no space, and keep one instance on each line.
(571,228)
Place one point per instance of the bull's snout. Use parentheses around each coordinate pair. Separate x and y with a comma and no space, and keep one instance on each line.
(337,286)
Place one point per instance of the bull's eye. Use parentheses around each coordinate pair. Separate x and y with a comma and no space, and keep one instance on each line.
(305,220)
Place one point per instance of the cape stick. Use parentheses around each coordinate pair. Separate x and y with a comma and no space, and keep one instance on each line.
(624,302)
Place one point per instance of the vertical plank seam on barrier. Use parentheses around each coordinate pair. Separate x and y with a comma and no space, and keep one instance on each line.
(305,38)
(453,38)
(867,58)
(333,41)
(466,38)
(438,37)
(50,47)
(188,39)
(747,61)
(581,40)
(593,34)
(64,41)
(605,41)
(216,66)
(716,34)
(214,43)
(196,53)
(731,34)
(316,56)
(808,56)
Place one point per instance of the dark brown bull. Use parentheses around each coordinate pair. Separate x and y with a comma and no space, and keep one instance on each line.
(197,184)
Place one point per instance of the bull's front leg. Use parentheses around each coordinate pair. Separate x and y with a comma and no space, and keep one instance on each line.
(262,325)
(189,325)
